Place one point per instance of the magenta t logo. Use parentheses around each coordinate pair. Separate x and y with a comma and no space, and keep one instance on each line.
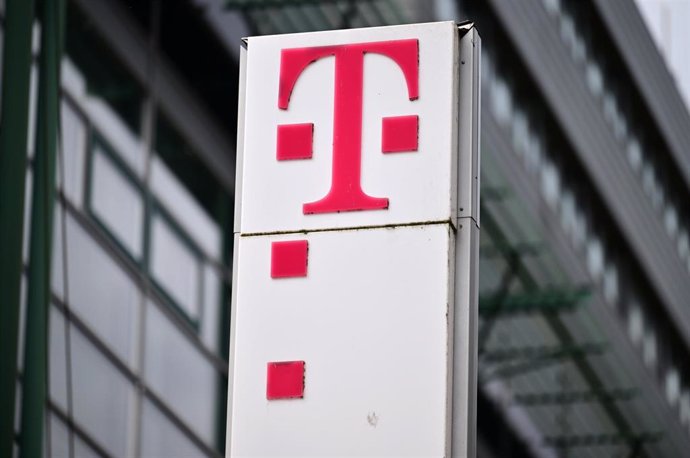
(399,132)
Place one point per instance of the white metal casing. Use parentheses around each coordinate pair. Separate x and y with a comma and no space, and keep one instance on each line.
(374,317)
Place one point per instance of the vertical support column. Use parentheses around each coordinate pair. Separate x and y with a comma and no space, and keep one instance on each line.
(15,113)
(467,246)
(43,199)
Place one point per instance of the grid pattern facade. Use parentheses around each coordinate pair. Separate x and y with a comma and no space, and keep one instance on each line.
(579,353)
(140,275)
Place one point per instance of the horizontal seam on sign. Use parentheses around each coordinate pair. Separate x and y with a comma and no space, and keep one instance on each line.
(353,228)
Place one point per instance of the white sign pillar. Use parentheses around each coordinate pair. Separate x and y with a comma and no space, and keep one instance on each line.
(356,237)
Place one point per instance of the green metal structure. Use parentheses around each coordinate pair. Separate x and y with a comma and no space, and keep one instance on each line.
(13,157)
(43,198)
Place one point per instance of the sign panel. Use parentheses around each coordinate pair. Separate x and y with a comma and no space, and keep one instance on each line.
(355,244)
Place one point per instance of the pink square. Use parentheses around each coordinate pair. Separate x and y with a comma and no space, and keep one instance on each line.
(295,141)
(399,134)
(285,380)
(289,259)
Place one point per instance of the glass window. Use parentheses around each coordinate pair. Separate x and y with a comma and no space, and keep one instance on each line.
(567,211)
(28,193)
(22,321)
(56,272)
(17,407)
(487,68)
(72,80)
(106,77)
(59,438)
(101,293)
(672,386)
(210,324)
(648,181)
(83,450)
(57,359)
(33,95)
(567,30)
(595,258)
(550,183)
(649,349)
(519,132)
(634,154)
(595,80)
(534,157)
(685,408)
(125,144)
(103,88)
(102,397)
(671,220)
(117,202)
(609,106)
(658,195)
(683,244)
(579,234)
(73,151)
(620,124)
(180,374)
(501,101)
(161,438)
(611,284)
(175,267)
(635,323)
(180,203)
(578,49)
(186,187)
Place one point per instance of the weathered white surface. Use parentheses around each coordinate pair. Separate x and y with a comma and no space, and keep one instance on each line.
(374,317)
(419,185)
(370,321)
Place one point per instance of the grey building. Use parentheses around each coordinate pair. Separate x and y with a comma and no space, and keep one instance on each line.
(585,250)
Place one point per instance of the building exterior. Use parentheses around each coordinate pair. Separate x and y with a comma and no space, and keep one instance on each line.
(585,260)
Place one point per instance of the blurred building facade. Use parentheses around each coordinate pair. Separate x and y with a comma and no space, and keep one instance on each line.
(585,259)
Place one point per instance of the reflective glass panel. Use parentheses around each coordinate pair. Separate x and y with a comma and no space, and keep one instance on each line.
(17,407)
(28,188)
(73,135)
(57,280)
(186,187)
(186,210)
(175,267)
(33,95)
(102,397)
(83,450)
(57,358)
(210,323)
(672,385)
(161,438)
(180,374)
(59,438)
(101,293)
(22,322)
(106,76)
(117,202)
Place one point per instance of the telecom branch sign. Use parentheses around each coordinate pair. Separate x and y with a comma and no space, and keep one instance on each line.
(356,229)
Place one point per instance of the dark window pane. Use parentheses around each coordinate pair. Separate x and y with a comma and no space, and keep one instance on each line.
(180,375)
(183,161)
(105,76)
